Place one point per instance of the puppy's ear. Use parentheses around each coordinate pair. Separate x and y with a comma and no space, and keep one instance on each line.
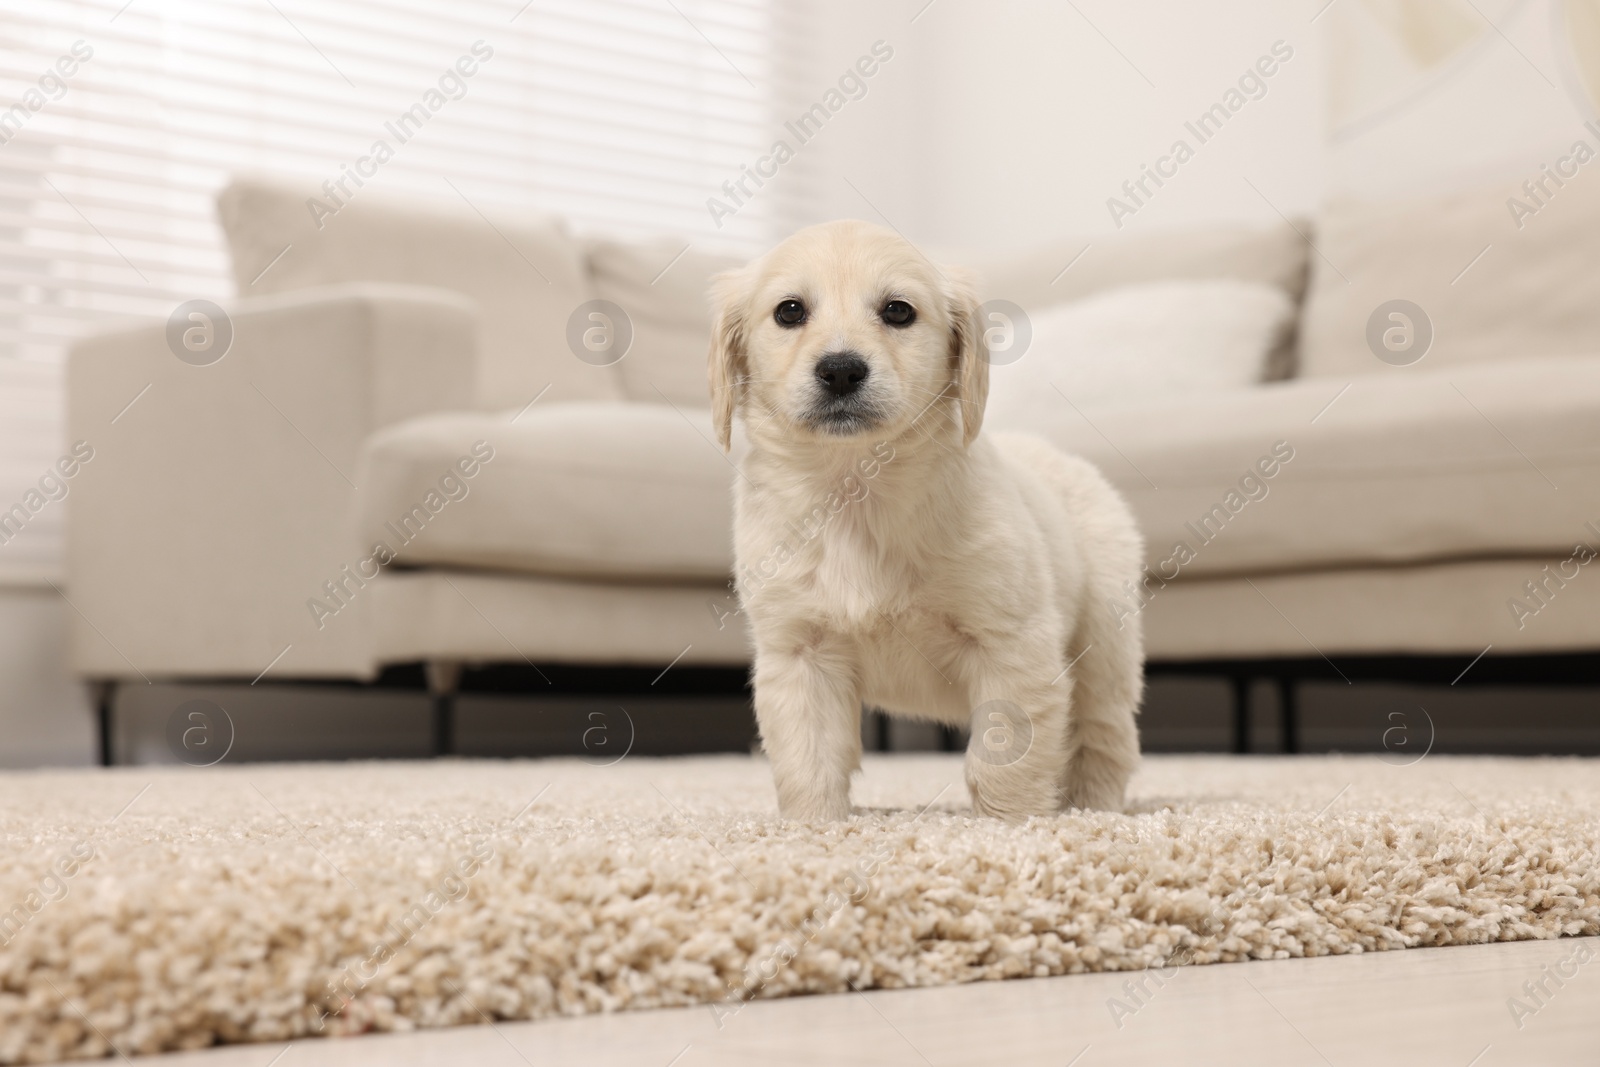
(969,356)
(727,365)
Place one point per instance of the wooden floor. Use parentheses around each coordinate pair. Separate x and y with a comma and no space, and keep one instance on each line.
(1438,1006)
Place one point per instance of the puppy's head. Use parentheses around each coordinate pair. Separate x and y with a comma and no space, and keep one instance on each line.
(844,330)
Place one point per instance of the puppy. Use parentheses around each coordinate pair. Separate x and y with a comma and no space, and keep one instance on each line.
(887,553)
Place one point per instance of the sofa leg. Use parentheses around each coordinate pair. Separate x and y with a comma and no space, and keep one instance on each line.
(104,694)
(1289,714)
(1241,714)
(444,681)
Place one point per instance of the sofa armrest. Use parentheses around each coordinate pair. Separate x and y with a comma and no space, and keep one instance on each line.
(219,498)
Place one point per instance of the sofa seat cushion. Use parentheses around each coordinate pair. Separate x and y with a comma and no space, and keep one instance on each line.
(598,490)
(1494,460)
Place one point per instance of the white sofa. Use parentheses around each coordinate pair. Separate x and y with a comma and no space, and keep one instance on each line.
(369,357)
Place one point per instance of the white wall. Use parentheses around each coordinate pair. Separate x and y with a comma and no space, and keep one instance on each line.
(999,125)
(1002,124)
(1513,96)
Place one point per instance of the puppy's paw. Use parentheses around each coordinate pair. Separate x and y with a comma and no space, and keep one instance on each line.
(1013,797)
(814,805)
(1094,792)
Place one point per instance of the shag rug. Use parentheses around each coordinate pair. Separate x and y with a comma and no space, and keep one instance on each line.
(156,909)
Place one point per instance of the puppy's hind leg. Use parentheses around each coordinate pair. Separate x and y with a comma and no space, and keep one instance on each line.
(1107,683)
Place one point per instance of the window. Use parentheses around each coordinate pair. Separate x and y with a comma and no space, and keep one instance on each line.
(120,120)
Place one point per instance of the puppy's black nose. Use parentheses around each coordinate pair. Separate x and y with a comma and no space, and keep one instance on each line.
(841,373)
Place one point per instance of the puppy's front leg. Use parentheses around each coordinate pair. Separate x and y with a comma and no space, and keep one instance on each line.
(809,712)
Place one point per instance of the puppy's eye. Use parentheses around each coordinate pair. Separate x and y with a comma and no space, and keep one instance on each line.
(898,313)
(790,313)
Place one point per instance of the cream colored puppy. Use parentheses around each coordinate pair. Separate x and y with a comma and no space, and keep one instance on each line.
(890,554)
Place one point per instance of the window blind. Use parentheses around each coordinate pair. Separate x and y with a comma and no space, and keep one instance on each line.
(120,120)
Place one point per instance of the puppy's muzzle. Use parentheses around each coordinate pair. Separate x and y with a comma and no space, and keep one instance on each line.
(845,401)
(841,373)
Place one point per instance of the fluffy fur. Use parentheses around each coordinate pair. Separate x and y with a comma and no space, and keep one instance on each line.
(888,553)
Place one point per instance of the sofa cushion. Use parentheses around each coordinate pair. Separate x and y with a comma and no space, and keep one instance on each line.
(599,490)
(526,274)
(663,287)
(1432,466)
(1262,479)
(1496,282)
(1073,268)
(1136,343)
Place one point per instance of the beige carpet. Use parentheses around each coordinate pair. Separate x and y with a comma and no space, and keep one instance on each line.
(160,909)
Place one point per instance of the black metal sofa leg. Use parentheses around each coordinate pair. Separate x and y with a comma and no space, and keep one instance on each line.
(1241,714)
(444,682)
(1289,714)
(105,696)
